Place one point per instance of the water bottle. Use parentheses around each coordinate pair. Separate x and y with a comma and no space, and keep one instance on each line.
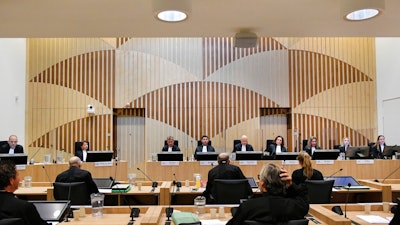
(198,180)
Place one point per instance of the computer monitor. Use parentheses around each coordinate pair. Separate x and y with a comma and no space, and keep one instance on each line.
(341,181)
(325,154)
(99,156)
(391,150)
(18,159)
(206,156)
(286,156)
(253,155)
(52,211)
(358,152)
(170,156)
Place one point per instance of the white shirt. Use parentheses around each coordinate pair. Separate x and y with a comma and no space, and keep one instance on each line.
(11,151)
(169,149)
(278,149)
(84,155)
(204,149)
(382,147)
(312,150)
(243,148)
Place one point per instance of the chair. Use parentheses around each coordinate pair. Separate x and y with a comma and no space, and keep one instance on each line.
(12,221)
(305,142)
(336,147)
(76,192)
(235,142)
(231,191)
(175,142)
(4,148)
(319,191)
(199,143)
(290,222)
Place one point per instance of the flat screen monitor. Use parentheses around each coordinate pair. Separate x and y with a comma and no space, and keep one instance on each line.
(206,156)
(391,150)
(341,181)
(253,155)
(358,152)
(52,211)
(18,159)
(170,156)
(286,156)
(99,156)
(325,154)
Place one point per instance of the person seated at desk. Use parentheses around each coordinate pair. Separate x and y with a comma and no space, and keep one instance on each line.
(345,145)
(306,172)
(378,148)
(224,170)
(10,205)
(204,147)
(282,200)
(76,174)
(82,153)
(243,145)
(277,146)
(12,146)
(170,147)
(312,145)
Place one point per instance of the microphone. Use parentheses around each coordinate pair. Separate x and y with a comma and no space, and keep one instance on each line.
(390,174)
(177,183)
(48,177)
(31,161)
(334,173)
(115,174)
(154,183)
(347,200)
(169,210)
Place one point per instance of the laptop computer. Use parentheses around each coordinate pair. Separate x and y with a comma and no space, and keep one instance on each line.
(52,211)
(344,181)
(103,183)
(252,182)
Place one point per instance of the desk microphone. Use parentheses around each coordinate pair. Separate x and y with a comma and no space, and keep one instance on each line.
(334,173)
(154,184)
(169,210)
(177,183)
(31,161)
(390,174)
(347,200)
(115,175)
(48,177)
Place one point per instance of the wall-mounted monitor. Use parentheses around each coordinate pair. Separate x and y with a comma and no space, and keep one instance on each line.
(99,156)
(18,159)
(325,154)
(206,156)
(286,156)
(52,211)
(253,155)
(170,156)
(358,152)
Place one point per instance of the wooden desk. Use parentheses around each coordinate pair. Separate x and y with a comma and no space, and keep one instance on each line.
(185,170)
(38,173)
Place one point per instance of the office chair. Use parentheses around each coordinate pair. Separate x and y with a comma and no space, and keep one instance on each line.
(231,191)
(4,148)
(304,143)
(336,147)
(76,192)
(290,222)
(235,142)
(269,142)
(12,221)
(319,191)
(175,142)
(199,143)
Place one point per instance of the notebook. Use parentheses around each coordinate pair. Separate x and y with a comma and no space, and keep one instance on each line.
(103,183)
(344,181)
(252,182)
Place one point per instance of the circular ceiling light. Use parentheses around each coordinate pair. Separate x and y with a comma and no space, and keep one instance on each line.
(171,10)
(362,14)
(357,10)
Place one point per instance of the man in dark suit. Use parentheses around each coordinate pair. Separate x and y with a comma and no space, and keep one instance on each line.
(10,205)
(204,147)
(243,145)
(224,170)
(281,201)
(11,146)
(170,147)
(76,174)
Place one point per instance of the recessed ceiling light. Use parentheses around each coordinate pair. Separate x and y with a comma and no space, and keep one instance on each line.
(171,10)
(172,16)
(357,10)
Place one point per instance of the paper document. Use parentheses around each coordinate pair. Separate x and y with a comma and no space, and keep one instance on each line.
(373,219)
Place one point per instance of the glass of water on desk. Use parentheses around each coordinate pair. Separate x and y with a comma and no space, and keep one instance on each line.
(97,200)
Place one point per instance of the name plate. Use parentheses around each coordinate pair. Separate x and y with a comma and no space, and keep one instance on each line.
(208,163)
(325,161)
(364,161)
(169,163)
(290,162)
(20,167)
(105,163)
(249,162)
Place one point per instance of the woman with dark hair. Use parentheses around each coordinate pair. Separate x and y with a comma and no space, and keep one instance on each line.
(82,153)
(282,200)
(378,148)
(277,146)
(307,172)
(312,145)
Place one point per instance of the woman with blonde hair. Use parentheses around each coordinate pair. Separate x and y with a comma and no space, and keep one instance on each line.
(307,172)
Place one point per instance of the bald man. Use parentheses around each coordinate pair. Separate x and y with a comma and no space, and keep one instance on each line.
(224,170)
(12,146)
(76,174)
(243,146)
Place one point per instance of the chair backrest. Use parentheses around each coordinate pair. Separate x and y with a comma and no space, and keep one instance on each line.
(76,192)
(12,221)
(78,145)
(319,191)
(230,191)
(235,142)
(176,142)
(199,143)
(269,142)
(304,143)
(336,147)
(290,222)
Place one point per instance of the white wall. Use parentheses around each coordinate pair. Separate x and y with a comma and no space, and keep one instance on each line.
(12,91)
(388,88)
